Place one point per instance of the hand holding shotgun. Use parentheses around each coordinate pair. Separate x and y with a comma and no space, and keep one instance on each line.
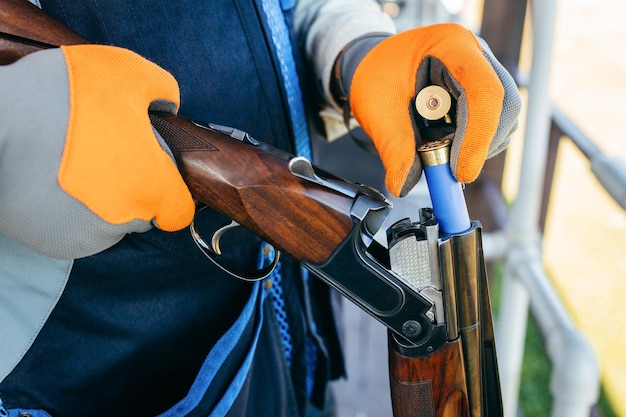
(427,90)
(334,228)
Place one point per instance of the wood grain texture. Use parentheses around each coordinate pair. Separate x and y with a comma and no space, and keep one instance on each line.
(21,18)
(255,188)
(429,386)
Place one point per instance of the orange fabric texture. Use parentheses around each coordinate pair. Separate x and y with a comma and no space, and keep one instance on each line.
(112,161)
(384,85)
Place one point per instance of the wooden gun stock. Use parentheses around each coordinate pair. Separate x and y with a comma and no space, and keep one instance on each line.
(253,185)
(428,386)
(25,29)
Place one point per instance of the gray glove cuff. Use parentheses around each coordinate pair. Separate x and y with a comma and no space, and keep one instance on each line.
(511,105)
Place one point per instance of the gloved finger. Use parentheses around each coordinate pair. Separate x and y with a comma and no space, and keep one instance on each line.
(389,77)
(121,173)
(36,122)
(382,104)
(476,89)
(487,103)
(381,93)
(511,106)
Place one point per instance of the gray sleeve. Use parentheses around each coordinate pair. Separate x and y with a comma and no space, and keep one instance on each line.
(325,26)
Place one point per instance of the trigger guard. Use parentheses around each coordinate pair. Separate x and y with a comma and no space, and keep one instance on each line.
(213,252)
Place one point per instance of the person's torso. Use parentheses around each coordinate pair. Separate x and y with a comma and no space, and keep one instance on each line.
(154,298)
(219,51)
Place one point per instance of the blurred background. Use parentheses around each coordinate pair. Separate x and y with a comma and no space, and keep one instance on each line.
(583,228)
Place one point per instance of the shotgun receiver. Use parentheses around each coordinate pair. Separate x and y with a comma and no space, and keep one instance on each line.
(425,281)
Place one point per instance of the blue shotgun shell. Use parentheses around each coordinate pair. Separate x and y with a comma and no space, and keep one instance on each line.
(446,193)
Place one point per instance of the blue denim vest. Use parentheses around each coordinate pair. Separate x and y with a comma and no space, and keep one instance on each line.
(150,326)
(217,50)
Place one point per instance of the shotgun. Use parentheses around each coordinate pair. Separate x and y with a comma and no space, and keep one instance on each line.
(422,278)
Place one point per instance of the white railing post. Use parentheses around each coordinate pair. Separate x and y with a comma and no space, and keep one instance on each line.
(575,375)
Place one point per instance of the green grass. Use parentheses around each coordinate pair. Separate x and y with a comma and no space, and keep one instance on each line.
(535,397)
(606,410)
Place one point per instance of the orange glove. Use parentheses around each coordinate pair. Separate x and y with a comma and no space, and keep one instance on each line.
(382,75)
(81,164)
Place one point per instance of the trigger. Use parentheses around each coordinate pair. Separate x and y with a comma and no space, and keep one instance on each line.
(236,269)
(215,240)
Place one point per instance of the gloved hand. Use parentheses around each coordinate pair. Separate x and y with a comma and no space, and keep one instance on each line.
(80,165)
(380,76)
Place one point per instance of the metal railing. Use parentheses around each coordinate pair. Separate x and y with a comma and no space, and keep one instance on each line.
(575,379)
